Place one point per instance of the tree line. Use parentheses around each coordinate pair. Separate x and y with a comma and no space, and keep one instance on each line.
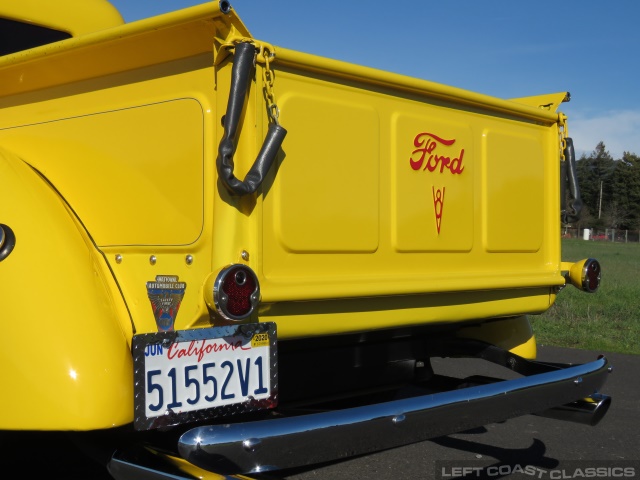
(610,190)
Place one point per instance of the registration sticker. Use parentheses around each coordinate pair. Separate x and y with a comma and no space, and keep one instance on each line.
(260,340)
(189,375)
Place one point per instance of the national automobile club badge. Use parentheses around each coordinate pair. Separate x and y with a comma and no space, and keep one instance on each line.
(166,294)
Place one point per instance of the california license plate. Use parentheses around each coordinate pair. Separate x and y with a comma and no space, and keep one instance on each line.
(190,375)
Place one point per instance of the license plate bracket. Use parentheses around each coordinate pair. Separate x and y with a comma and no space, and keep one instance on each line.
(191,375)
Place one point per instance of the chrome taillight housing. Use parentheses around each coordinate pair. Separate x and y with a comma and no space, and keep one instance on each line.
(233,293)
(586,275)
(7,241)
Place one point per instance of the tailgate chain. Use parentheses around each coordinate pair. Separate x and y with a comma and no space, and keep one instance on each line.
(563,131)
(266,54)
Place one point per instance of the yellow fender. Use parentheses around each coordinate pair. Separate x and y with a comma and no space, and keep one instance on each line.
(66,361)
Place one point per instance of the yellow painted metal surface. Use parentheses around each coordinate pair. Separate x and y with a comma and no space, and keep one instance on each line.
(328,317)
(513,334)
(406,194)
(191,469)
(71,16)
(124,50)
(410,194)
(550,102)
(67,363)
(133,175)
(394,202)
(125,147)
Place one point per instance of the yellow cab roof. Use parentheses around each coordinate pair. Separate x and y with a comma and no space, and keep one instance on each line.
(76,17)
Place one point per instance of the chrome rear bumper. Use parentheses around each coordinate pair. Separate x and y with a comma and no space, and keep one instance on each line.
(289,441)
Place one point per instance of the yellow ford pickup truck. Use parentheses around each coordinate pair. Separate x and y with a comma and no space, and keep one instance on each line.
(222,256)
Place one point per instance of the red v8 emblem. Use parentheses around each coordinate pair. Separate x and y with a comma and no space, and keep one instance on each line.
(438,205)
(434,154)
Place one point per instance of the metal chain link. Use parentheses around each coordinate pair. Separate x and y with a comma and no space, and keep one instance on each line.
(264,55)
(268,77)
(563,131)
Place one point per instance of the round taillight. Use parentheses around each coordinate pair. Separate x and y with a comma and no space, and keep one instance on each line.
(236,292)
(591,275)
(585,275)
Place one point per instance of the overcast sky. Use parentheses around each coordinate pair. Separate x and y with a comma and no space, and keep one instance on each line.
(503,48)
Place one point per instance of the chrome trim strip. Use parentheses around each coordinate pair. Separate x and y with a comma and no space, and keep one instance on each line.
(306,439)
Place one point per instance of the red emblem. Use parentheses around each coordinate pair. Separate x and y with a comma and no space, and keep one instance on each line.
(436,154)
(438,205)
(427,158)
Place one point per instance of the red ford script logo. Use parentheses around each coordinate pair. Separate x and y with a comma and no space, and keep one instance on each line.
(425,154)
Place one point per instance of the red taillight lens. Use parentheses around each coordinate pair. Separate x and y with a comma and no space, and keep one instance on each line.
(236,292)
(591,275)
(238,286)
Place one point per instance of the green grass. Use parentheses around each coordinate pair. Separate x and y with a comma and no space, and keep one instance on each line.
(607,320)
